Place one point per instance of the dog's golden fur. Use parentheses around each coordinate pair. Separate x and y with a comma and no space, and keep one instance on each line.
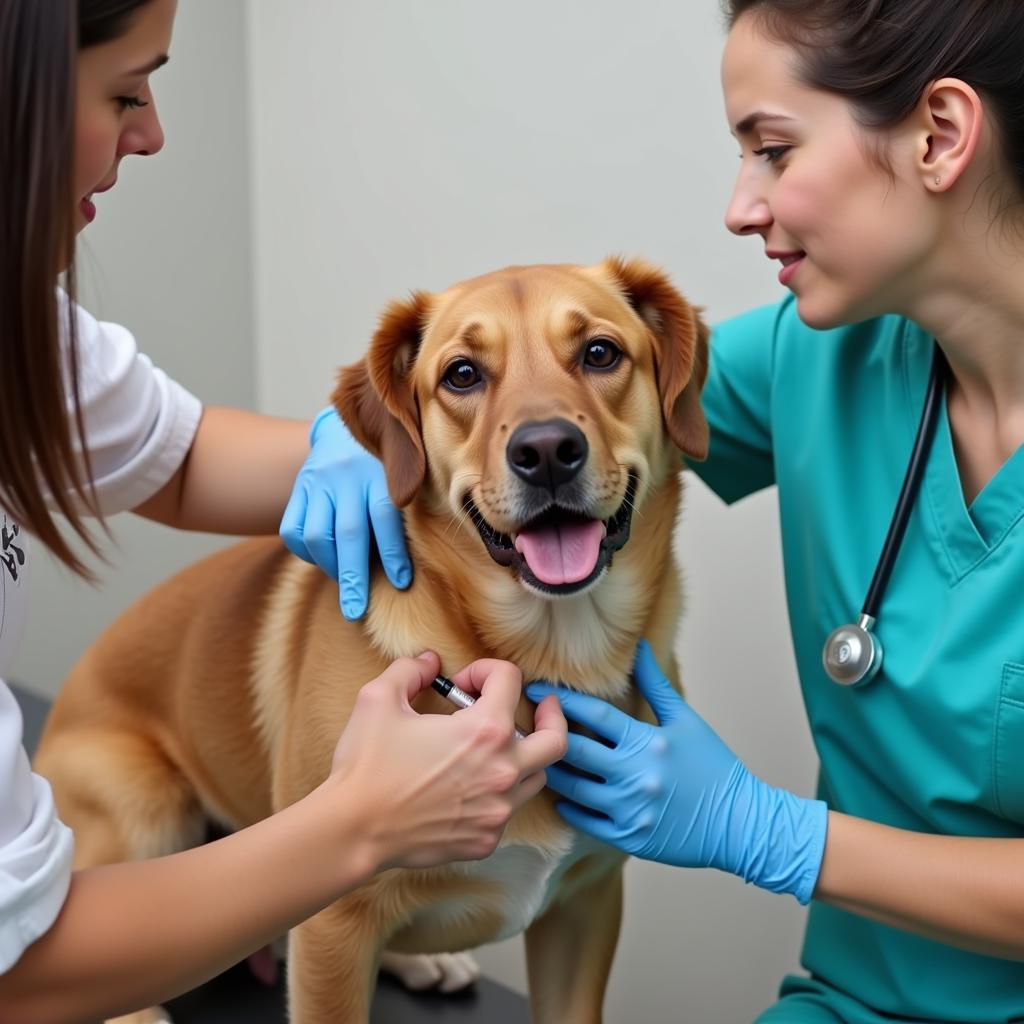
(221,694)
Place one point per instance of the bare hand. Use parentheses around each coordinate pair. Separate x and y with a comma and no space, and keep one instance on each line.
(441,788)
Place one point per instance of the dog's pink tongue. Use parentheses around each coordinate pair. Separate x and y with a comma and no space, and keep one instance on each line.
(566,553)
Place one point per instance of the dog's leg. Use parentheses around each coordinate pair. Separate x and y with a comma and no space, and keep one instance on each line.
(124,800)
(120,794)
(569,953)
(332,966)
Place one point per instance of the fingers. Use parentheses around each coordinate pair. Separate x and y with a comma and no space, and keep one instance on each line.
(328,521)
(549,714)
(406,677)
(591,756)
(498,684)
(657,690)
(318,532)
(527,789)
(350,544)
(601,828)
(580,790)
(386,521)
(291,528)
(597,715)
(547,743)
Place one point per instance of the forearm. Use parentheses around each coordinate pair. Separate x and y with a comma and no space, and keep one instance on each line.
(961,891)
(237,477)
(132,935)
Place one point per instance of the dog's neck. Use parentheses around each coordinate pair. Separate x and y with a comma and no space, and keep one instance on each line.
(464,606)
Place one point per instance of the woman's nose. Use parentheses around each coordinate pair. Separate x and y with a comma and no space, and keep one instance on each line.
(748,212)
(143,135)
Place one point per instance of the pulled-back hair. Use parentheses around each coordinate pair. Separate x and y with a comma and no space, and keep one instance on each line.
(881,55)
(40,417)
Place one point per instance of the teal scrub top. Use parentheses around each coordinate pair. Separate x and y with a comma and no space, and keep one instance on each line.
(936,743)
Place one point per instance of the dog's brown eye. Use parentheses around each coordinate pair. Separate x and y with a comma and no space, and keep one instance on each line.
(602,354)
(462,375)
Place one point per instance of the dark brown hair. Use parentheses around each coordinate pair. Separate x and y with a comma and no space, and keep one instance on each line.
(881,55)
(40,417)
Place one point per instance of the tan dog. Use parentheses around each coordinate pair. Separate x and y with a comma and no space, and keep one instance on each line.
(531,422)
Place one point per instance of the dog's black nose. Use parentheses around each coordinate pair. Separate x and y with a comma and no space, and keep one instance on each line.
(547,454)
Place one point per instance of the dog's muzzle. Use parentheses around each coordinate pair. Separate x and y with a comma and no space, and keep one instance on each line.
(559,549)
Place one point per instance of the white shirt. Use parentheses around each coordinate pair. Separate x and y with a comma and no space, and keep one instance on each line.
(139,426)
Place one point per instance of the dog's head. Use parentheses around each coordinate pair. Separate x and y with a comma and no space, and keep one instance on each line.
(542,402)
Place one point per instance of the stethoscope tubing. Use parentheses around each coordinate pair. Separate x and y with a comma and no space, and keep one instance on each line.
(911,486)
(853,654)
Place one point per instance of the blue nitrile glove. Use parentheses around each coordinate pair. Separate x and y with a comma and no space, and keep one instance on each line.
(339,495)
(676,793)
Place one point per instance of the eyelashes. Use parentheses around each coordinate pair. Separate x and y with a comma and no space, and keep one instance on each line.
(772,154)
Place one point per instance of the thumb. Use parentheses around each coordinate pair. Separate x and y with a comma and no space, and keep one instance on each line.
(657,690)
(408,677)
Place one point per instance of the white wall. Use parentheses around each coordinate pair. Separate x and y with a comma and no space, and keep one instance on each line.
(401,144)
(169,256)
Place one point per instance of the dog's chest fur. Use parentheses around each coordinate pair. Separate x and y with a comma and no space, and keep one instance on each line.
(522,878)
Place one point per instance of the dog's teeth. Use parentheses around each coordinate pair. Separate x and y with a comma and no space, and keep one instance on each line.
(604,530)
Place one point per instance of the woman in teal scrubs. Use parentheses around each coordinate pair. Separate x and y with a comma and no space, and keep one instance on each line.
(882,146)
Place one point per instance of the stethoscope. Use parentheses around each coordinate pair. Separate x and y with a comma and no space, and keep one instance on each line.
(853,654)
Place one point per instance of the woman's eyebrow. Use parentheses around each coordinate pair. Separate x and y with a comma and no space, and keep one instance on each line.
(148,69)
(751,121)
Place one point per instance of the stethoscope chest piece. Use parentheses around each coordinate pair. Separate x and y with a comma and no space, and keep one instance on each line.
(852,654)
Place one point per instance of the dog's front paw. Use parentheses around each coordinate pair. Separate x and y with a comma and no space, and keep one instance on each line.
(442,972)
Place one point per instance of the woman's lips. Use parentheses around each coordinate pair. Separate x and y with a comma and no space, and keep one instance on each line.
(790,265)
(88,208)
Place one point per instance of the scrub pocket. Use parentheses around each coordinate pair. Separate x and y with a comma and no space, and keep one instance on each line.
(1008,749)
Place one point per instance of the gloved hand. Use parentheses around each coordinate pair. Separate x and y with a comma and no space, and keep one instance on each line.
(339,495)
(676,793)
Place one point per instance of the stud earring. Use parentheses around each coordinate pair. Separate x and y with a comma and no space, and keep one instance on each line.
(938,181)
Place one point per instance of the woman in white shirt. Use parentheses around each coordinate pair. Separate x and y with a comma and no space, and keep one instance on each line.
(88,427)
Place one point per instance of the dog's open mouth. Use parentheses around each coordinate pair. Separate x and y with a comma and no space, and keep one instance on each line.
(560,551)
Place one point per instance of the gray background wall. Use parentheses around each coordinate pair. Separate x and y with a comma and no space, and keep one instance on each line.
(325,157)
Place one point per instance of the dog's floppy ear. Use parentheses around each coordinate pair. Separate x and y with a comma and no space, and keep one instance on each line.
(680,349)
(375,397)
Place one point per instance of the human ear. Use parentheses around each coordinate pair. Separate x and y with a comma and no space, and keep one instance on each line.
(951,117)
